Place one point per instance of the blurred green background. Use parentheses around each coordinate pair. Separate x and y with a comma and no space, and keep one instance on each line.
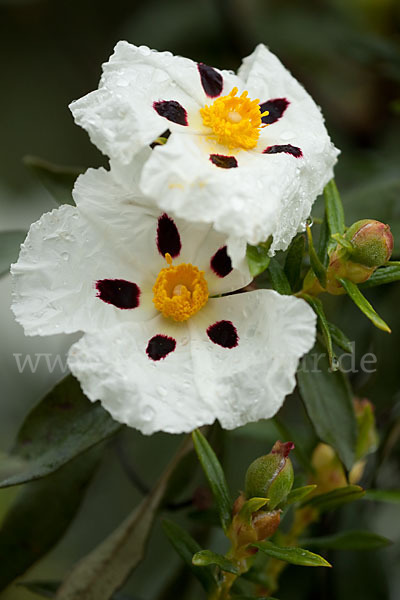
(347,54)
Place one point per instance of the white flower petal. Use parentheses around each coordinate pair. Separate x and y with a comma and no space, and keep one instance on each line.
(54,279)
(149,395)
(120,117)
(107,236)
(267,194)
(199,381)
(250,381)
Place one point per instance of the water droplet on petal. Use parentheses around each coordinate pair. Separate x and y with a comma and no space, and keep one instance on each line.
(65,256)
(148,413)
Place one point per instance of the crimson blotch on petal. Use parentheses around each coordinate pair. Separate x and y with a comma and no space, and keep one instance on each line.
(122,294)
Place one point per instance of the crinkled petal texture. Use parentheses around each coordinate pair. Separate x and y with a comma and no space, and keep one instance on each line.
(235,361)
(252,194)
(108,237)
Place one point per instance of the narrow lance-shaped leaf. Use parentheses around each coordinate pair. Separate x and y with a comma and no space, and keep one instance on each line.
(292,555)
(349,540)
(41,514)
(64,424)
(335,498)
(215,476)
(388,274)
(10,242)
(294,260)
(363,304)
(205,558)
(186,547)
(339,338)
(58,180)
(325,242)
(328,401)
(102,572)
(300,493)
(391,496)
(334,208)
(316,265)
(251,506)
(323,327)
(48,589)
(278,278)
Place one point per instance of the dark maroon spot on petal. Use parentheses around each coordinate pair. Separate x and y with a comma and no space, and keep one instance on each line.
(211,80)
(120,293)
(287,148)
(171,110)
(168,238)
(224,334)
(159,346)
(275,107)
(225,162)
(164,135)
(221,263)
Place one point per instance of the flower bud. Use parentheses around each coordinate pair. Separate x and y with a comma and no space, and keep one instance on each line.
(271,476)
(372,242)
(367,438)
(250,526)
(329,473)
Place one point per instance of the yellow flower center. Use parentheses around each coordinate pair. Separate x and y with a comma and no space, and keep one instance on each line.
(235,120)
(181,291)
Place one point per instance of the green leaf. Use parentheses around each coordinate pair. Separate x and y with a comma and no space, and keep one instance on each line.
(334,209)
(316,265)
(323,327)
(48,589)
(253,598)
(298,494)
(186,547)
(58,180)
(336,498)
(278,278)
(10,242)
(64,424)
(339,338)
(324,242)
(251,506)
(41,514)
(384,275)
(102,572)
(363,304)
(292,555)
(204,558)
(258,258)
(294,260)
(329,404)
(342,241)
(391,496)
(349,540)
(215,476)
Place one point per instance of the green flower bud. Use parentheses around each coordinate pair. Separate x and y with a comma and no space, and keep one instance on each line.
(271,476)
(372,242)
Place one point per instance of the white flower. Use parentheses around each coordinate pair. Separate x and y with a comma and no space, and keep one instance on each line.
(114,270)
(248,153)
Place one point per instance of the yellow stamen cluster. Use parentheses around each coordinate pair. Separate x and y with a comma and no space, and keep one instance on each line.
(235,120)
(180,291)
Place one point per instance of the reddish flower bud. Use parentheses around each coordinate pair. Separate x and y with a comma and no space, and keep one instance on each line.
(372,242)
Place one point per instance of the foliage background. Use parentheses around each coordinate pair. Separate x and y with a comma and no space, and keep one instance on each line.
(347,54)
